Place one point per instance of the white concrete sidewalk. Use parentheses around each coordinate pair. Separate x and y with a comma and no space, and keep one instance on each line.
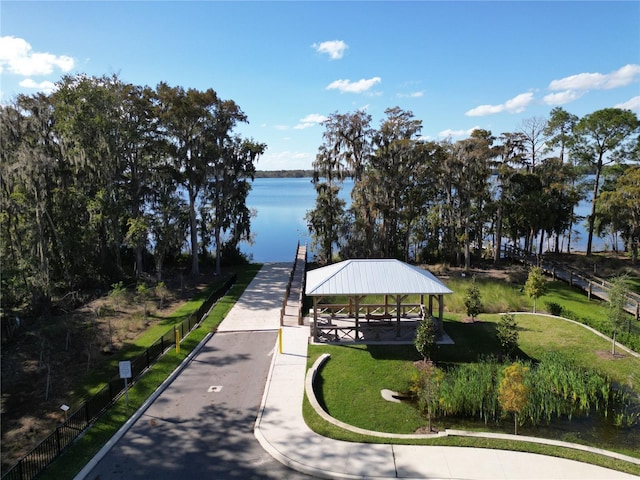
(281,430)
(258,308)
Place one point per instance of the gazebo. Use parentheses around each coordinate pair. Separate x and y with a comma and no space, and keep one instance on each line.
(403,287)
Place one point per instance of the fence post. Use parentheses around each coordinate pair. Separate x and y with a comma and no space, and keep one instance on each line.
(147,355)
(58,440)
(571,279)
(86,409)
(589,294)
(637,310)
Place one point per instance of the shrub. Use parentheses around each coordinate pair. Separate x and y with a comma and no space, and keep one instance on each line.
(425,337)
(507,333)
(554,308)
(473,300)
(513,393)
(425,385)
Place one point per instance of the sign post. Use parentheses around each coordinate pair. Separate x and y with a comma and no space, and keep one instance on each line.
(125,372)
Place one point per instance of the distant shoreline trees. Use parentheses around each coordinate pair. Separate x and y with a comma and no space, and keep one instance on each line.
(426,201)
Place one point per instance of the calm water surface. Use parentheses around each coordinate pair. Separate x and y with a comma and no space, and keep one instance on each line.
(282,203)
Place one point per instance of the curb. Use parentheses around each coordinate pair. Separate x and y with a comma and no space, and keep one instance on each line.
(268,447)
(321,360)
(134,418)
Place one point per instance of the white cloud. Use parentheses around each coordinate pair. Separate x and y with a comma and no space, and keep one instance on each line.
(334,48)
(598,81)
(411,95)
(17,56)
(631,104)
(571,88)
(310,121)
(347,86)
(515,105)
(563,97)
(457,133)
(286,161)
(45,86)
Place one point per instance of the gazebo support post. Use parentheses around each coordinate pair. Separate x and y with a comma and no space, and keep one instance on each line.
(357,302)
(440,314)
(399,299)
(315,318)
(431,305)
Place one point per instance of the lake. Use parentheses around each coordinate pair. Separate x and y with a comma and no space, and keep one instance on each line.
(282,203)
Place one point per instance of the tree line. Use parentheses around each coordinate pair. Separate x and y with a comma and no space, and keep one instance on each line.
(103,180)
(425,201)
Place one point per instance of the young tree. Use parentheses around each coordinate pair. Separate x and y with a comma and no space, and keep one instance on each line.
(536,285)
(117,295)
(426,387)
(162,292)
(601,138)
(616,314)
(513,393)
(425,340)
(473,299)
(507,333)
(143,294)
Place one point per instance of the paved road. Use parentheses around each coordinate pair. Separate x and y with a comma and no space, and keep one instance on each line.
(195,431)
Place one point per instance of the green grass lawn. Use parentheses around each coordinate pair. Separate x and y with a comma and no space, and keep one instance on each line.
(350,382)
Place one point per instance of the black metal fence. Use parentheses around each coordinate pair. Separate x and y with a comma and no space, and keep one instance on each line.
(34,462)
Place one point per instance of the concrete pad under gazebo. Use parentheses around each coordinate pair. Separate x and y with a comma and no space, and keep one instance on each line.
(358,279)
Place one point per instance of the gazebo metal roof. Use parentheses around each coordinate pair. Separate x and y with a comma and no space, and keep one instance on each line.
(372,277)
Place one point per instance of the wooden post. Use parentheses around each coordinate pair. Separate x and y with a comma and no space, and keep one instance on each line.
(398,305)
(440,314)
(357,299)
(315,318)
(589,292)
(637,310)
(571,279)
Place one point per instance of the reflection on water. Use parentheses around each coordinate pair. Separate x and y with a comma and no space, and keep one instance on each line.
(594,430)
(282,203)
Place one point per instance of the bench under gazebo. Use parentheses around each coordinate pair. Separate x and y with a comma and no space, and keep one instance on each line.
(407,292)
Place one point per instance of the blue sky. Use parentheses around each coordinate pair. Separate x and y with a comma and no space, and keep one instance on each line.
(456,65)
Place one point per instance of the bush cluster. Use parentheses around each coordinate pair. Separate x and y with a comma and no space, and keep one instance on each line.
(557,388)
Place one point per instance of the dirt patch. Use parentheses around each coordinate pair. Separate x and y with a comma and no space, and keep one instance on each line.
(425,430)
(607,355)
(49,359)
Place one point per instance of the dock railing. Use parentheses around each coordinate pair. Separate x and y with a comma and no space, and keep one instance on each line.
(592,285)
